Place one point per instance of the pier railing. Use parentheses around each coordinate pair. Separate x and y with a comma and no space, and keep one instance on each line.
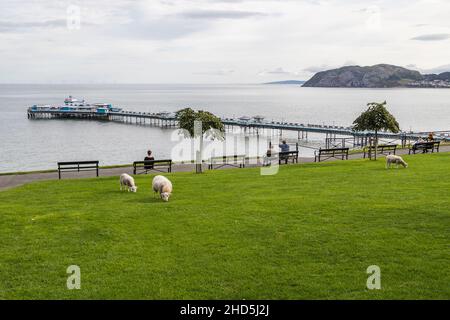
(335,135)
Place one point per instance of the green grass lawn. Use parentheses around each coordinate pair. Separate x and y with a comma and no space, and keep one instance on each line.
(309,232)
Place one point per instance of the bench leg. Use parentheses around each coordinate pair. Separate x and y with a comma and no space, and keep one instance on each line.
(59,174)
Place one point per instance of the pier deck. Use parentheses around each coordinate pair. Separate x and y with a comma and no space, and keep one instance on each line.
(166,120)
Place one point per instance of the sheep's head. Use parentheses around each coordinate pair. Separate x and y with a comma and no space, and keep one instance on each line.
(133,189)
(405,164)
(165,196)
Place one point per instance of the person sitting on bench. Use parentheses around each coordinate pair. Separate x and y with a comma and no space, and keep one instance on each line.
(267,156)
(149,157)
(284,146)
(421,140)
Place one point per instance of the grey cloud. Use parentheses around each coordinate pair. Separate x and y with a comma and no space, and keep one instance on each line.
(18,26)
(437,70)
(315,69)
(279,72)
(324,67)
(221,14)
(179,25)
(167,27)
(159,29)
(174,25)
(432,37)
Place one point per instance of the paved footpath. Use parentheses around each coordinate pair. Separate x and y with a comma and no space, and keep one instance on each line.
(13,180)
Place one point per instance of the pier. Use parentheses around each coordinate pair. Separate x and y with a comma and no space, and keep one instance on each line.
(334,135)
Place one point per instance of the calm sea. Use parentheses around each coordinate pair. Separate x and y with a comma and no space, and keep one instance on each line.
(39,144)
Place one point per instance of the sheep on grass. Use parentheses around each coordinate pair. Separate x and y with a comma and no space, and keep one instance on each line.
(397,160)
(163,186)
(127,183)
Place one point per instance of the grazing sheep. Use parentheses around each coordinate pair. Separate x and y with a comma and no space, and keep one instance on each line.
(163,186)
(127,182)
(396,160)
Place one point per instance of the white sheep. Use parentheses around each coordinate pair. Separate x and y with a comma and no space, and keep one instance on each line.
(127,183)
(163,186)
(390,159)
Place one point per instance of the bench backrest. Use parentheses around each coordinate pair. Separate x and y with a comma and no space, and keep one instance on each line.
(384,146)
(431,144)
(225,159)
(165,162)
(334,151)
(77,164)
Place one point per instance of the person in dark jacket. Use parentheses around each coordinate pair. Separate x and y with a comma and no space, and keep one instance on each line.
(284,146)
(149,157)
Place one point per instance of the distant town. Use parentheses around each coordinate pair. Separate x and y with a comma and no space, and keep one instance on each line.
(429,84)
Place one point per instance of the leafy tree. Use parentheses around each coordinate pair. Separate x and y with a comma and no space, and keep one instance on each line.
(376,118)
(200,124)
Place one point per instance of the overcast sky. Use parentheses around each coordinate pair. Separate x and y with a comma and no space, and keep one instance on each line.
(220,41)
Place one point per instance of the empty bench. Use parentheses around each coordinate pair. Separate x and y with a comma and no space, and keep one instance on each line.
(288,155)
(385,149)
(233,161)
(156,165)
(325,154)
(425,147)
(77,166)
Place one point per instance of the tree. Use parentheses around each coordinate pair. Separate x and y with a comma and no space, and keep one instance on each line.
(200,124)
(376,118)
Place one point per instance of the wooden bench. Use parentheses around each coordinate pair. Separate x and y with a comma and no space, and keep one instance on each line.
(156,165)
(425,147)
(288,155)
(385,149)
(233,161)
(338,153)
(77,166)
